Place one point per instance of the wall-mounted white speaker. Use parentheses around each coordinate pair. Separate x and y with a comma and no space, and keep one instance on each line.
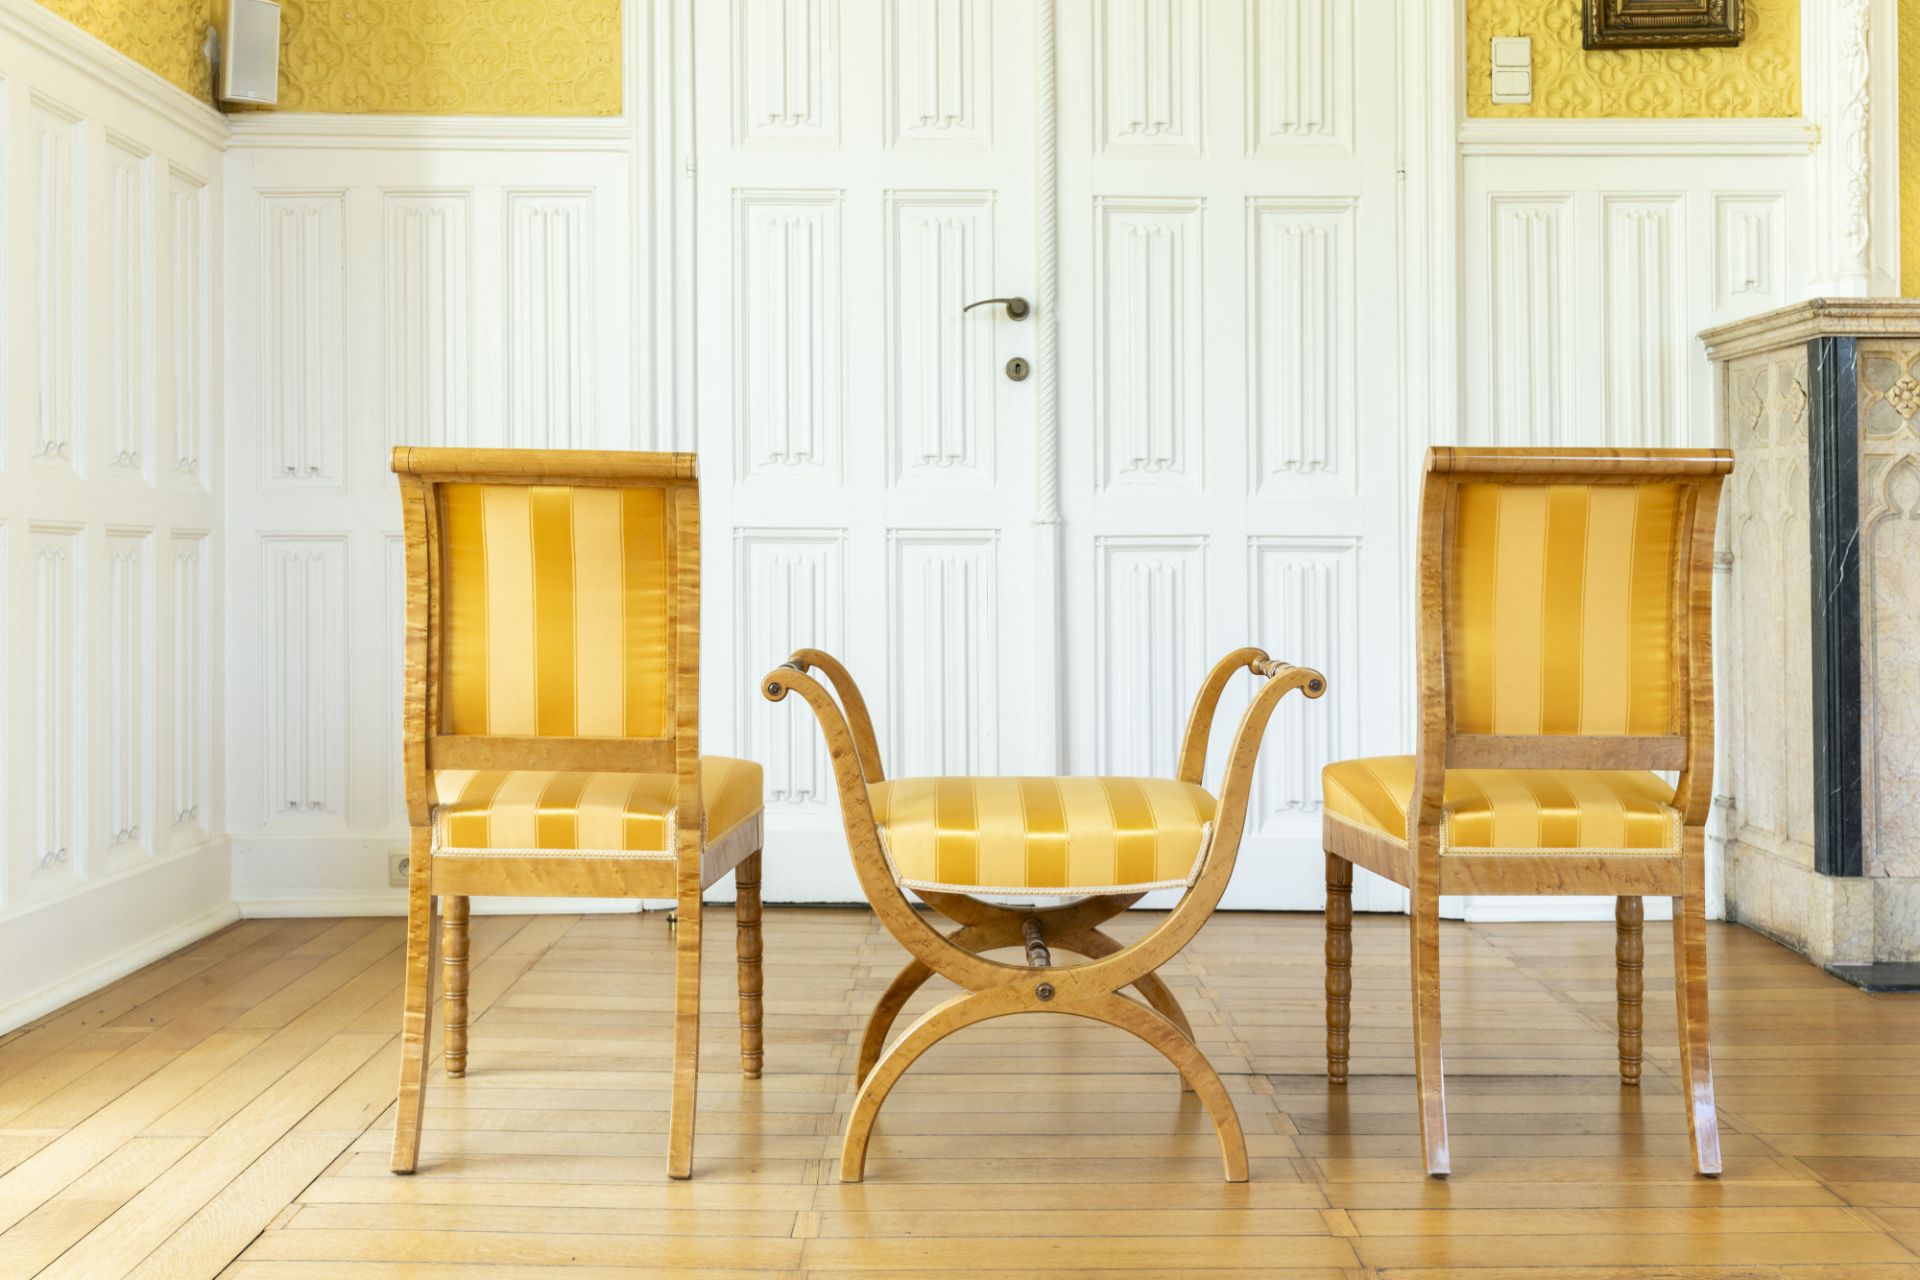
(250,51)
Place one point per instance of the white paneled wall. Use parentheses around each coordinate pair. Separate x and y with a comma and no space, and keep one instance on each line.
(1593,252)
(1592,257)
(386,289)
(109,515)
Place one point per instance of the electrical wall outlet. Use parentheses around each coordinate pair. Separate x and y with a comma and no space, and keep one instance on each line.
(398,867)
(1513,69)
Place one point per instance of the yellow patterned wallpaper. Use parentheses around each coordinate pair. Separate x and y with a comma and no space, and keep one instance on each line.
(1910,148)
(1761,77)
(435,57)
(163,35)
(451,57)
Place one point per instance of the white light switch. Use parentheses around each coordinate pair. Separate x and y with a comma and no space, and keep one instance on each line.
(1513,68)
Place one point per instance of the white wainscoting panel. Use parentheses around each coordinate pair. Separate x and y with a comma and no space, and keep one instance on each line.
(1301,300)
(1150,71)
(1587,276)
(429,356)
(1151,342)
(1152,609)
(939,56)
(1593,253)
(791,585)
(940,367)
(108,353)
(469,290)
(789,347)
(944,642)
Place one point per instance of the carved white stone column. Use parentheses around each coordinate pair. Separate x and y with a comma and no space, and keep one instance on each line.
(1840,97)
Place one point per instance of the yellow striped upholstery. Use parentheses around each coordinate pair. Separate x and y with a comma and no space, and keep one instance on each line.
(1514,810)
(555,617)
(603,814)
(1057,836)
(1560,608)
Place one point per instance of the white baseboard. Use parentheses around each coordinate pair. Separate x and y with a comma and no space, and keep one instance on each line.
(39,1003)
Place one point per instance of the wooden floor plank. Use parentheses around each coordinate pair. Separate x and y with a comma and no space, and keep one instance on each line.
(226,1112)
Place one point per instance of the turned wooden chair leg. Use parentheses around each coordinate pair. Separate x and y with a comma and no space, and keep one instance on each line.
(1629,960)
(416,1018)
(1696,1059)
(746,914)
(1428,1062)
(1339,964)
(686,1034)
(454,946)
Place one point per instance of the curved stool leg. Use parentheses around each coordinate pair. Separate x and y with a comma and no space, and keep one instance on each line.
(974,937)
(933,1026)
(1157,1030)
(1094,944)
(979,1006)
(880,1021)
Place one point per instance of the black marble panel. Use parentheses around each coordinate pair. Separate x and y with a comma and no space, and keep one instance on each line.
(1833,447)
(1887,975)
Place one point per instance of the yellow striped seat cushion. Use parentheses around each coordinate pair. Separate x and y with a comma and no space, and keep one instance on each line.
(1622,811)
(603,814)
(1051,836)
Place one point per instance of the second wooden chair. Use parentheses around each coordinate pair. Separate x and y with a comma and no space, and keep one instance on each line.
(551,706)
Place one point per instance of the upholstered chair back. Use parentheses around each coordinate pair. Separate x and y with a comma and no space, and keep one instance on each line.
(553,604)
(554,610)
(1565,605)
(1560,607)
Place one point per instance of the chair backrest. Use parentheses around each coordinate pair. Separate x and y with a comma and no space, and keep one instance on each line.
(553,602)
(1566,608)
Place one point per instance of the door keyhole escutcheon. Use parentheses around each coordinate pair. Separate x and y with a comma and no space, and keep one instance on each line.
(1018,369)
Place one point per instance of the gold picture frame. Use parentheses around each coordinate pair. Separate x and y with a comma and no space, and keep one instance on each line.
(1662,24)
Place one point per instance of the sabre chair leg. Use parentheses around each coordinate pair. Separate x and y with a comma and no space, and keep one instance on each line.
(1159,1031)
(686,1032)
(933,1026)
(1339,964)
(1428,1062)
(1629,958)
(746,914)
(416,1019)
(1690,991)
(454,947)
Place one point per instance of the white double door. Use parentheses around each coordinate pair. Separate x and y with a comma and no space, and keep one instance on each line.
(1033,578)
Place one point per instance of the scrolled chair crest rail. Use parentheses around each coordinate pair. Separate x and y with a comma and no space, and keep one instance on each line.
(534,466)
(1588,464)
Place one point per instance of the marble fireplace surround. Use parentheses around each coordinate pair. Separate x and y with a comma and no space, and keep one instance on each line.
(1818,620)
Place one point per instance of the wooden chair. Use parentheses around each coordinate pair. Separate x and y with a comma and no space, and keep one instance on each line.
(1106,842)
(552,726)
(1565,652)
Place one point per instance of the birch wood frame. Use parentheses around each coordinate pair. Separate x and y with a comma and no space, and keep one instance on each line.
(1686,746)
(994,989)
(439,886)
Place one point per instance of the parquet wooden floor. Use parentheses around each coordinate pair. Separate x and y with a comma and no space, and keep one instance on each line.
(227,1110)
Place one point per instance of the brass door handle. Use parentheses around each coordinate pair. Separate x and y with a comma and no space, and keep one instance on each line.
(1017,308)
